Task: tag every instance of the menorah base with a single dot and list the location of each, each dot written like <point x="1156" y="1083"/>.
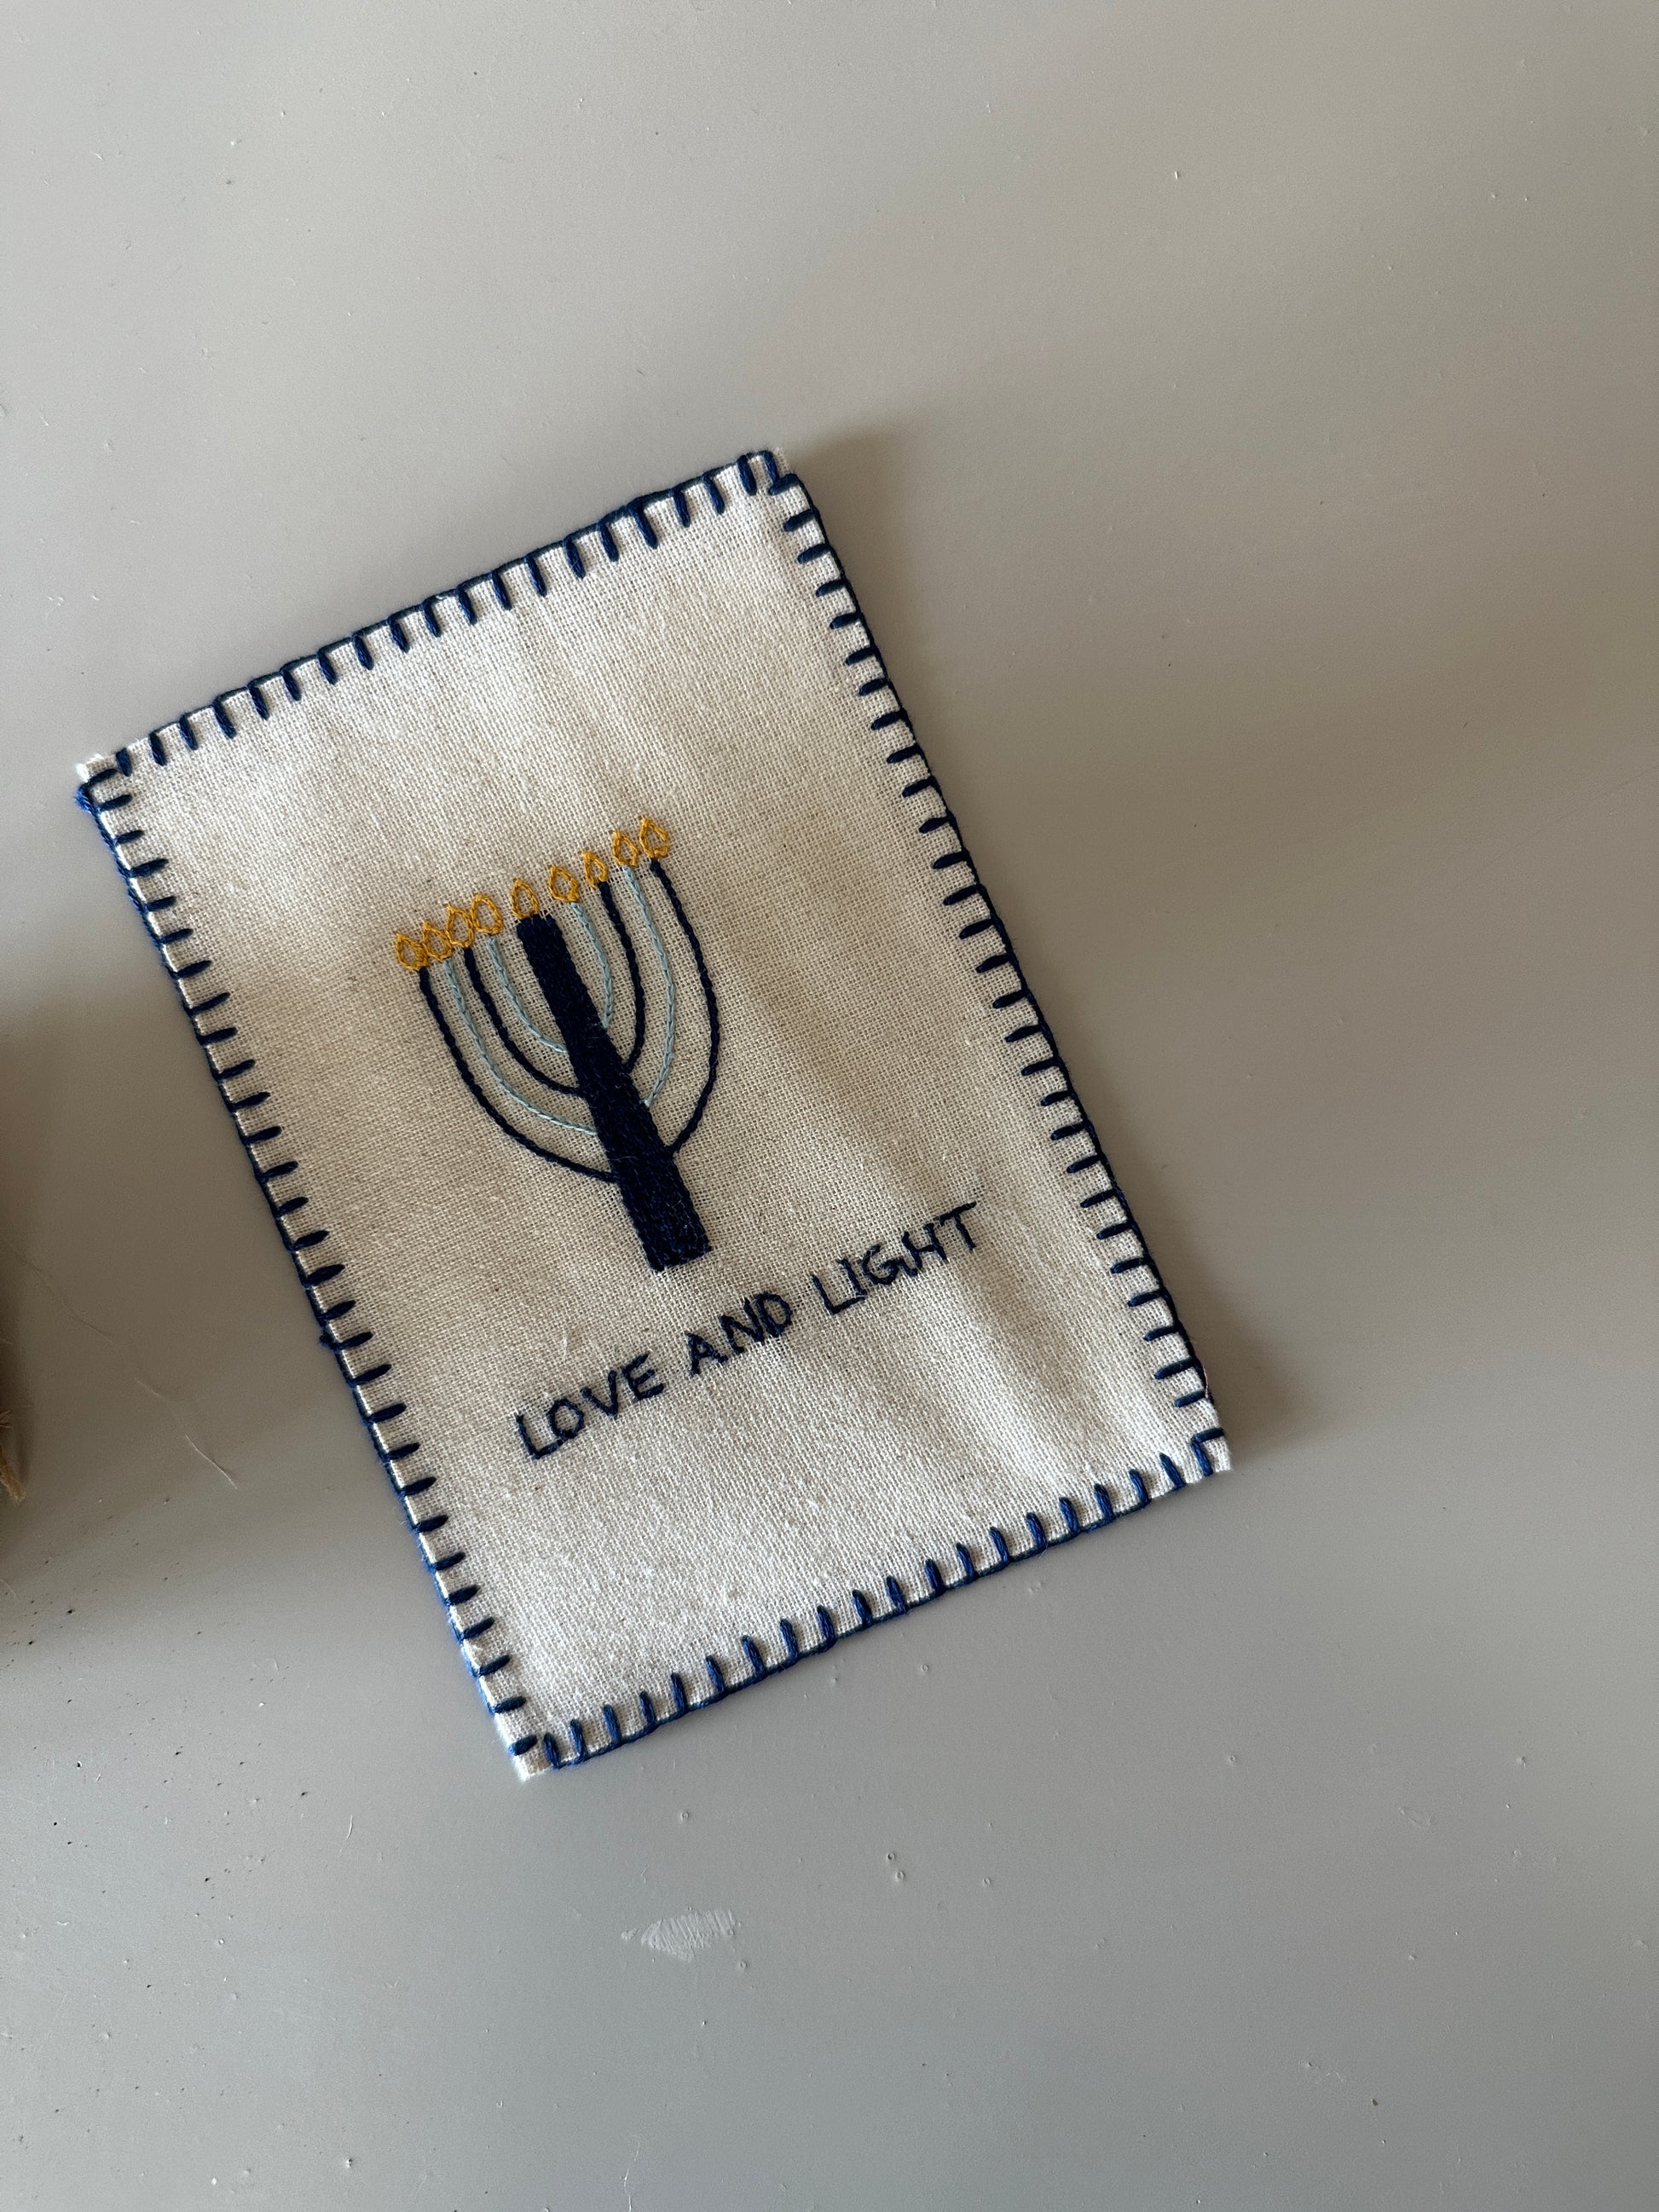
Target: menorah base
<point x="669" y="1228"/>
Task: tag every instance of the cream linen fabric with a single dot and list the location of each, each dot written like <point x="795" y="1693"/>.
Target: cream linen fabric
<point x="721" y="682"/>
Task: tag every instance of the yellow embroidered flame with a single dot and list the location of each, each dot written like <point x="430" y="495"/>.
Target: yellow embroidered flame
<point x="481" y="916"/>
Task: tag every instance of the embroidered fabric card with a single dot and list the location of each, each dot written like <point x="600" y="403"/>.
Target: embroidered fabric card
<point x="680" y="1170"/>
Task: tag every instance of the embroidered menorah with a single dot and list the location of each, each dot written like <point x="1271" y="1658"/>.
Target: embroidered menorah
<point x="587" y="1029"/>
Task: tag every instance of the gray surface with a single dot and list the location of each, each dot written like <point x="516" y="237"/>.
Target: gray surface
<point x="1234" y="418"/>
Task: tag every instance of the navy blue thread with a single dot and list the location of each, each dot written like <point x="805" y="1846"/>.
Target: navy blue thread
<point x="578" y="1167"/>
<point x="470" y="961"/>
<point x="390" y="1454"/>
<point x="644" y="1172"/>
<point x="399" y="625"/>
<point x="613" y="915"/>
<point x="1079" y="1125"/>
<point x="936" y="1584"/>
<point x="546" y="1152"/>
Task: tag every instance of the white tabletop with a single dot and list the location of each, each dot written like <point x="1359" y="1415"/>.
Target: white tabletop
<point x="1237" y="420"/>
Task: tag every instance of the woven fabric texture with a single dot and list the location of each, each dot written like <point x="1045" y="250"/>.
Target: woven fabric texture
<point x="693" y="1195"/>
